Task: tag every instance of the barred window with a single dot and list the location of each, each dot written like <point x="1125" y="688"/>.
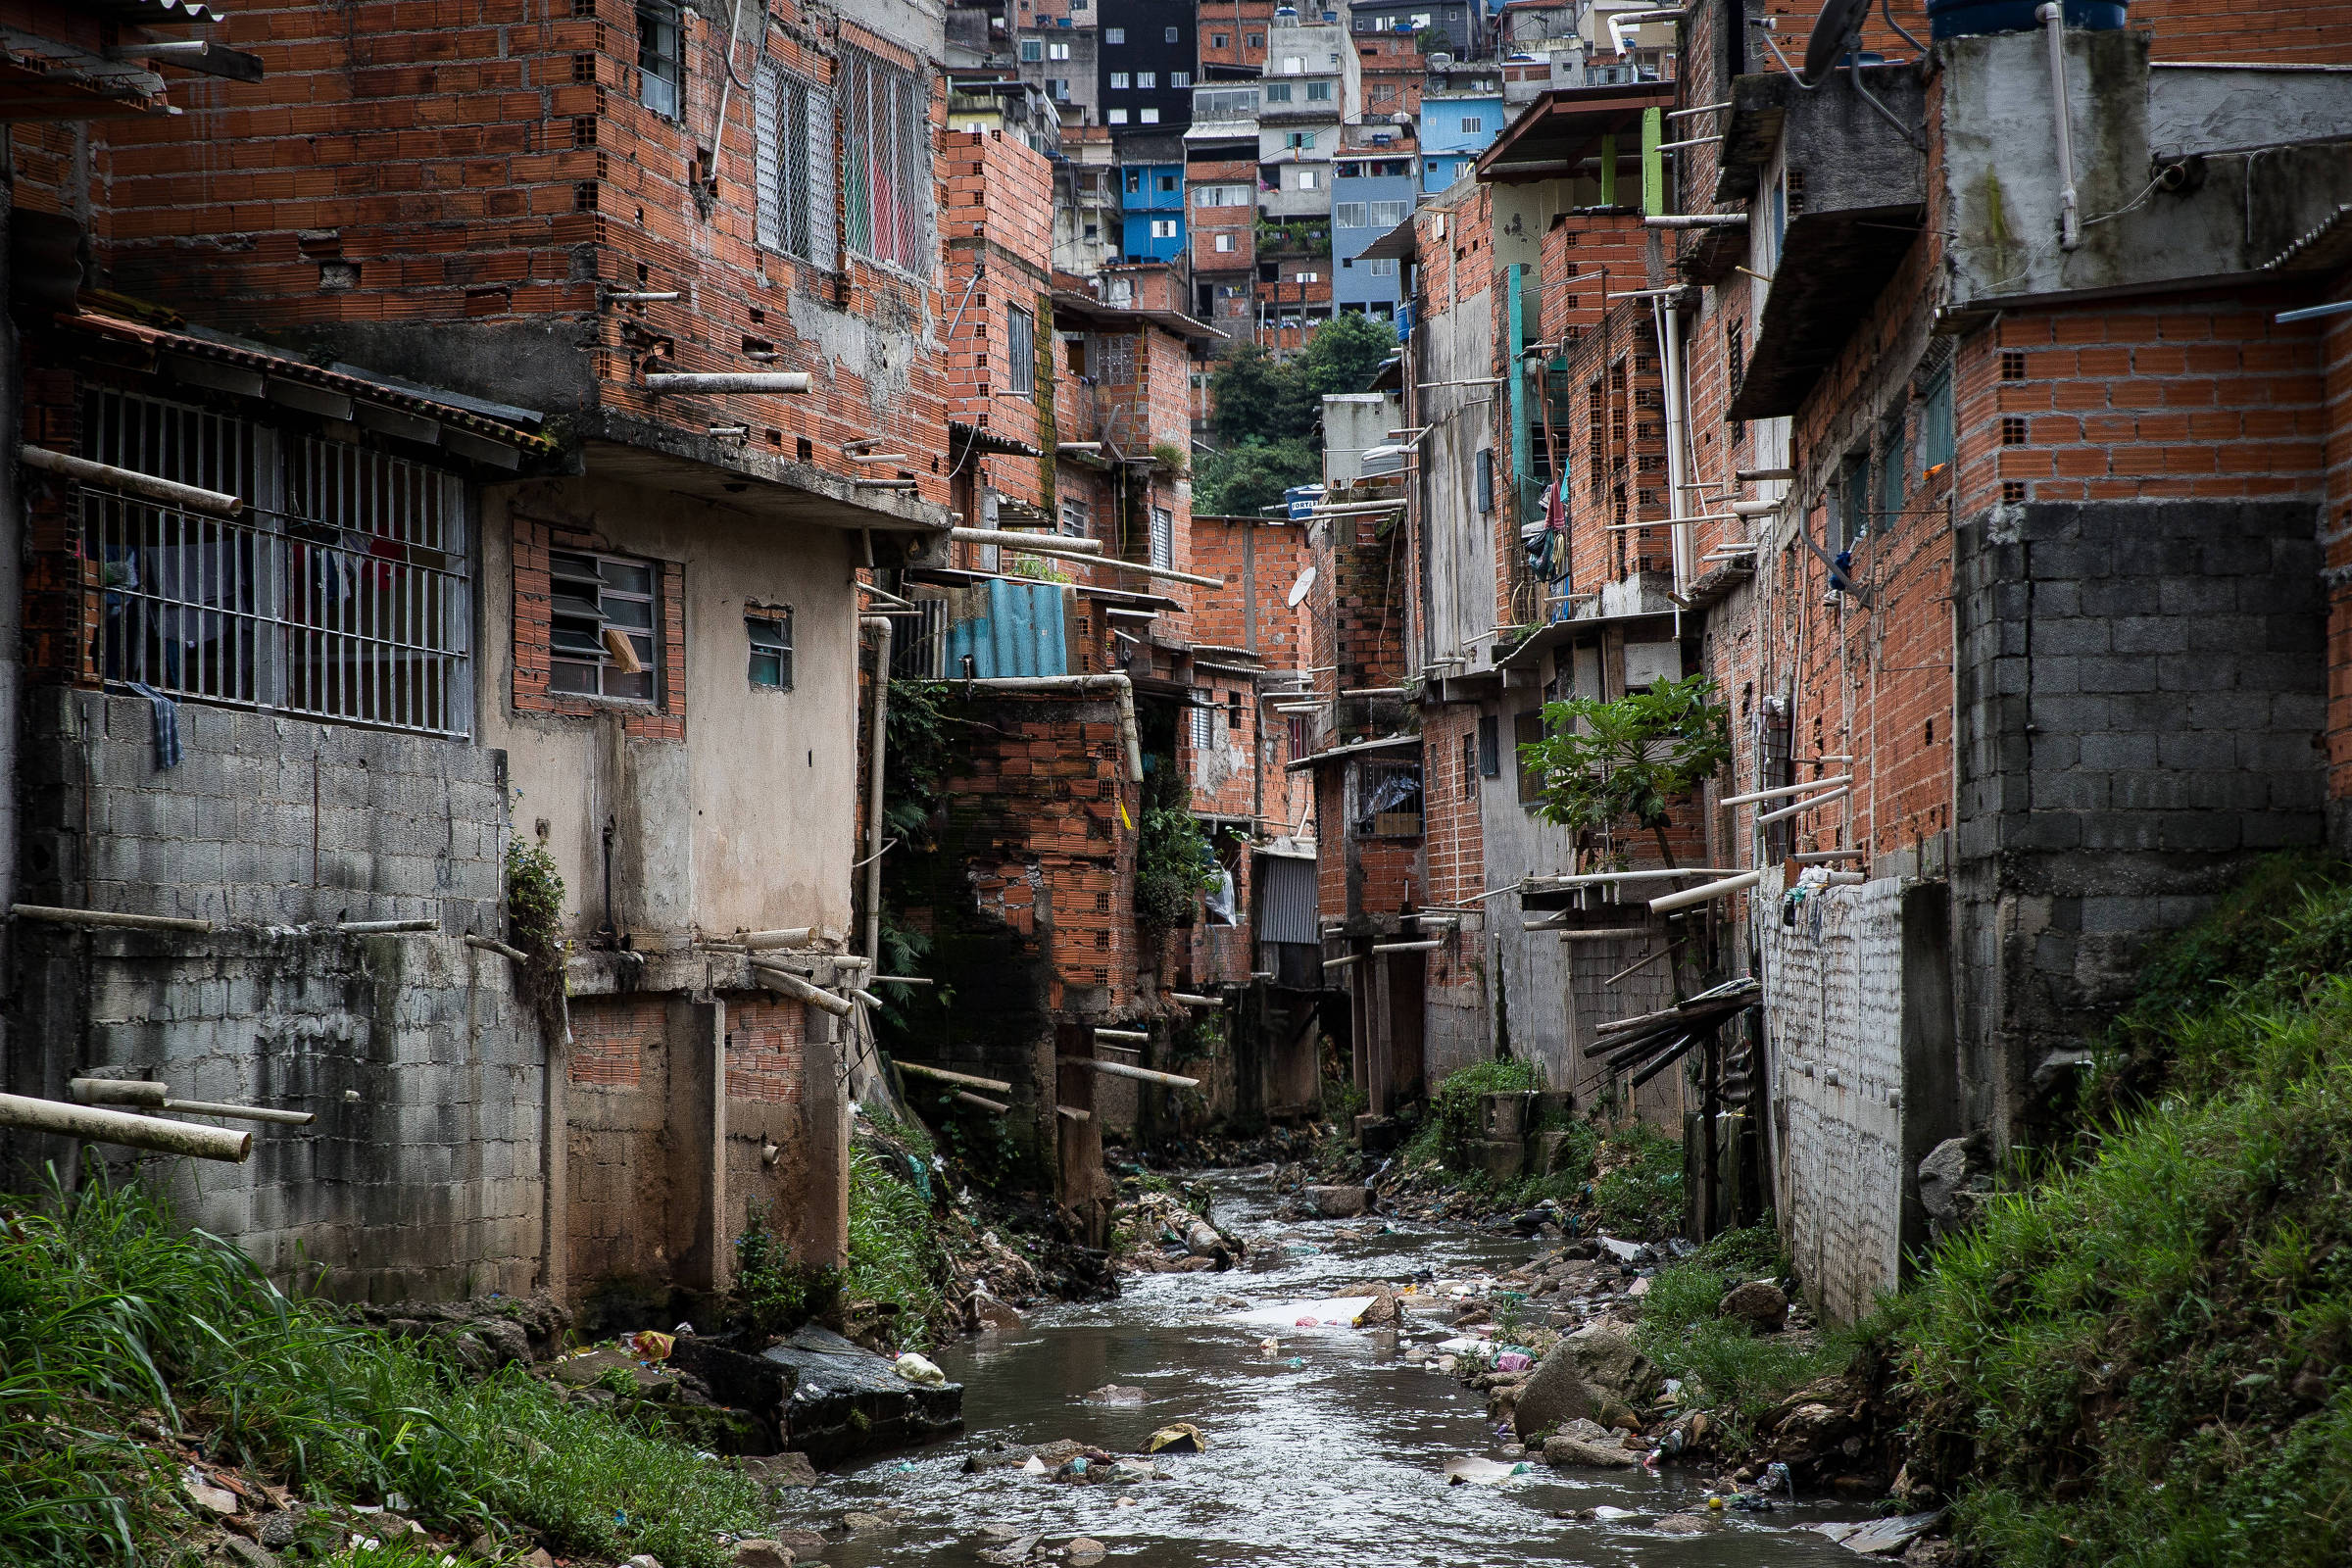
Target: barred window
<point x="341" y="593"/>
<point x="1020" y="351"/>
<point x="1163" y="538"/>
<point x="886" y="183"/>
<point x="602" y="629"/>
<point x="795" y="168"/>
<point x="661" y="59"/>
<point x="1204" y="719"/>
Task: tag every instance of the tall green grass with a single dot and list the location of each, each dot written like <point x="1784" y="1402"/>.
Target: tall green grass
<point x="2140" y="1354"/>
<point x="106" y="1309"/>
<point x="1738" y="1374"/>
<point x="895" y="1253"/>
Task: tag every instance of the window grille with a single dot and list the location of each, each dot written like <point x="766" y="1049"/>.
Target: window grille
<point x="1204" y="719"/>
<point x="1113" y="359"/>
<point x="343" y="592"/>
<point x="1163" y="538"/>
<point x="602" y="640"/>
<point x="770" y="635"/>
<point x="1935" y="420"/>
<point x="886" y="183"/>
<point x="1020" y="351"/>
<point x="794" y="160"/>
<point x="1387" y="801"/>
<point x="661" y="61"/>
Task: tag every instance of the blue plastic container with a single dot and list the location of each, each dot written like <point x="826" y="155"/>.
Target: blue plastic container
<point x="1960" y="19"/>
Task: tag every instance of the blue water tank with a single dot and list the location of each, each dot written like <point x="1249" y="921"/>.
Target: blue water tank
<point x="1959" y="19"/>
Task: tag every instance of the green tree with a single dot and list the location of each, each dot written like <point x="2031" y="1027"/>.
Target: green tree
<point x="1603" y="764"/>
<point x="1242" y="480"/>
<point x="1344" y="356"/>
<point x="1256" y="395"/>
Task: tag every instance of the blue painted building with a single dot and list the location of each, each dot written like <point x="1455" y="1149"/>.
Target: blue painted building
<point x="1455" y="127"/>
<point x="1373" y="189"/>
<point x="1151" y="212"/>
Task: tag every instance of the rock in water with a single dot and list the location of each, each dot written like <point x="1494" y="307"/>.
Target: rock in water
<point x="1760" y="1304"/>
<point x="1590" y="1371"/>
<point x="1112" y="1393"/>
<point x="1562" y="1452"/>
<point x="1339" y="1203"/>
<point x="759" y="1554"/>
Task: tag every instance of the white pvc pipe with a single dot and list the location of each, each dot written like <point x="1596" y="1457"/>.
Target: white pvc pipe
<point x="1019" y="540"/>
<point x="1786" y="790"/>
<point x="1142" y="1075"/>
<point x="792" y="985"/>
<point x="1767" y="818"/>
<point x="1705" y="893"/>
<point x="99" y="1126"/>
<point x="108" y="917"/>
<point x="2070" y="218"/>
<point x="146" y="486"/>
<point x="1591" y="878"/>
<point x="730" y="381"/>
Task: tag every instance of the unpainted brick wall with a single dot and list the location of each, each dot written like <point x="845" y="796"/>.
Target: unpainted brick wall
<point x="617" y="1133"/>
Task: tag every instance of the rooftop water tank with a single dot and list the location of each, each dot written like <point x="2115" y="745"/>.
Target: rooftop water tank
<point x="1960" y="19"/>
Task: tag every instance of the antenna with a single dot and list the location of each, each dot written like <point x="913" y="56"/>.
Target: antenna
<point x="1836" y="33"/>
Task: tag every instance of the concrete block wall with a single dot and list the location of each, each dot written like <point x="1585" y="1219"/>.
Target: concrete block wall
<point x="1833" y="1005"/>
<point x="2142" y="704"/>
<point x="422" y="1175"/>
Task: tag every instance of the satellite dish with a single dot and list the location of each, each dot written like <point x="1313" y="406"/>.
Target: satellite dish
<point x="1835" y="33"/>
<point x="1299" y="589"/>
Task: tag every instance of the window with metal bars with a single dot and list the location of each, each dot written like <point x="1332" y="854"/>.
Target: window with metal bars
<point x="343" y="592"/>
<point x="660" y="58"/>
<point x="1163" y="538"/>
<point x="604" y="627"/>
<point x="794" y="167"/>
<point x="1020" y="351"/>
<point x="886" y="175"/>
<point x="1204" y="719"/>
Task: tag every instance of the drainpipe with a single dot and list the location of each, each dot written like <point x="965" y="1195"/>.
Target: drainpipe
<point x="2070" y="223"/>
<point x="876" y="732"/>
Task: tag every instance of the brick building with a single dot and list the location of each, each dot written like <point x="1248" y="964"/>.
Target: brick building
<point x="1976" y="515"/>
<point x="495" y="578"/>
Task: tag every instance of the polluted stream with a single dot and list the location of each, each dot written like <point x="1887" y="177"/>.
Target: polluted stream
<point x="1328" y="1452"/>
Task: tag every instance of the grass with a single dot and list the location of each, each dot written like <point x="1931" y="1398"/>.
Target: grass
<point x="894" y="1254"/>
<point x="1639" y="1192"/>
<point x="2138" y="1355"/>
<point x="107" y="1311"/>
<point x="1740" y="1374"/>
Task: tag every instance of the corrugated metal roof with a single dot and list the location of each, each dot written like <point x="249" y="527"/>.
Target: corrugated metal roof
<point x="1008" y="628"/>
<point x="157" y="13"/>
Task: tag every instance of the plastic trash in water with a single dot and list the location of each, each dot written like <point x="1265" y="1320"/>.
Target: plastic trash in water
<point x="918" y="1369"/>
<point x="1298" y="1361"/>
<point x="1513" y="1361"/>
<point x="652" y="1347"/>
<point x="1033" y="1466"/>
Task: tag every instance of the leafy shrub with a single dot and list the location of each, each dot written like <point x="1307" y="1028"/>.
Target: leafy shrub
<point x="772" y="1294"/>
<point x="1452" y="1119"/>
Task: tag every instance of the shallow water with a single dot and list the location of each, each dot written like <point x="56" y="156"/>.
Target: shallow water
<point x="1337" y="1462"/>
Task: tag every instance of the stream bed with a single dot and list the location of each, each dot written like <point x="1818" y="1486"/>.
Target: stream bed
<point x="1328" y="1452"/>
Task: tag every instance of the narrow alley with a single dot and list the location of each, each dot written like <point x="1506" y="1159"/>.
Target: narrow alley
<point x="1206" y="782"/>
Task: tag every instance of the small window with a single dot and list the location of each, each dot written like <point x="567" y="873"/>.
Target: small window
<point x="1388" y="801"/>
<point x="1167" y="183"/>
<point x="1387" y="214"/>
<point x="1020" y="351"/>
<point x="1935" y="422"/>
<point x="1134" y="177"/>
<point x="1170" y="35"/>
<point x="1032" y="49"/>
<point x="1163" y="229"/>
<point x="1257" y="40"/>
<point x="1058" y="51"/>
<point x="1489" y="746"/>
<point x="660" y="62"/>
<point x="1163" y="538"/>
<point x="1527" y="729"/>
<point x="1114" y="35"/>
<point x="1146" y="117"/>
<point x="1225" y="243"/>
<point x="1472" y="125"/>
<point x="1114" y="117"/>
<point x="1384" y="267"/>
<point x="1349" y="215"/>
<point x="887" y="196"/>
<point x="1486" y="478"/>
<point x="1219" y="40"/>
<point x="1180" y="78"/>
<point x="1204" y="719"/>
<point x="1233" y="710"/>
<point x="795" y="168"/>
<point x="1146" y="80"/>
<point x="1279" y="93"/>
<point x="1318" y="92"/>
<point x="770" y="634"/>
<point x="1469" y="765"/>
<point x="1307" y="179"/>
<point x="1119" y="83"/>
<point x="602" y="627"/>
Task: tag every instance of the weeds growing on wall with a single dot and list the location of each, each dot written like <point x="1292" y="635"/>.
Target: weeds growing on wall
<point x="535" y="925"/>
<point x="1173" y="862"/>
<point x="107" y="1310"/>
<point x="1452" y="1119"/>
<point x="772" y="1292"/>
